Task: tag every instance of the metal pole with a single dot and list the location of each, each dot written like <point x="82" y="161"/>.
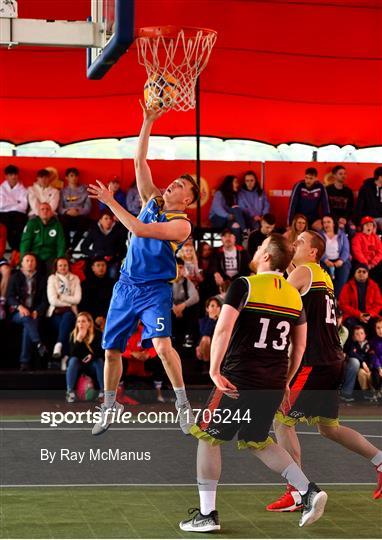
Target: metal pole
<point x="197" y="125"/>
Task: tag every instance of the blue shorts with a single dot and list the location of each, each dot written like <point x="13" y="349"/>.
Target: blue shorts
<point x="150" y="304"/>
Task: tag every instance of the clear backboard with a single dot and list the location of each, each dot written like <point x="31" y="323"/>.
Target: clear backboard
<point x="116" y="20"/>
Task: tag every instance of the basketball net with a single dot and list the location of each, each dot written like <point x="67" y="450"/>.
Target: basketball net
<point x="179" y="53"/>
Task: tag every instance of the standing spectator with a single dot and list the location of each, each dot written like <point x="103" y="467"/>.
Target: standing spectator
<point x="106" y="239"/>
<point x="41" y="192"/>
<point x="253" y="200"/>
<point x="309" y="197"/>
<point x="13" y="206"/>
<point x="360" y="299"/>
<point x="225" y="211"/>
<point x="299" y="225"/>
<point x="185" y="309"/>
<point x="75" y="207"/>
<point x="28" y="303"/>
<point x="207" y="328"/>
<point x="336" y="259"/>
<point x="64" y="295"/>
<point x="44" y="236"/>
<point x="85" y="355"/>
<point x="5" y="271"/>
<point x="97" y="304"/>
<point x="367" y="249"/>
<point x="133" y="200"/>
<point x="341" y="197"/>
<point x="369" y="202"/>
<point x="230" y="260"/>
<point x="256" y="238"/>
<point x="119" y="195"/>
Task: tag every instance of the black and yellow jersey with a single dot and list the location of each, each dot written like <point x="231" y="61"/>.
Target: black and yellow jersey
<point x="323" y="344"/>
<point x="257" y="355"/>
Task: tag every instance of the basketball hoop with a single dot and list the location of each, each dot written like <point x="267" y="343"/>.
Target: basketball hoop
<point x="170" y="52"/>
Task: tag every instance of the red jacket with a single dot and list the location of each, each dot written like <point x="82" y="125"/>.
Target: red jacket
<point x="367" y="248"/>
<point x="348" y="299"/>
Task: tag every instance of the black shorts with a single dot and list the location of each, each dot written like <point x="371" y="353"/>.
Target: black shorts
<point x="314" y="396"/>
<point x="250" y="417"/>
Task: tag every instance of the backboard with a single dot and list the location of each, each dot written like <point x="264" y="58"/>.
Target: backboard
<point x="116" y="20"/>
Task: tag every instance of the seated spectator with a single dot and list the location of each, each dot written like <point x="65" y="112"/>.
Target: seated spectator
<point x="360" y="299"/>
<point x="13" y="206"/>
<point x="376" y="357"/>
<point x="119" y="195"/>
<point x="64" y="295"/>
<point x="336" y="259"/>
<point x="299" y="225"/>
<point x="230" y="260"/>
<point x="253" y="200"/>
<point x="256" y="238"/>
<point x="85" y="355"/>
<point x="225" y="211"/>
<point x="135" y="353"/>
<point x="54" y="178"/>
<point x="106" y="239"/>
<point x="44" y="236"/>
<point x="185" y="309"/>
<point x="133" y="200"/>
<point x="74" y="208"/>
<point x="28" y="303"/>
<point x="309" y="198"/>
<point x="97" y="304"/>
<point x="207" y="287"/>
<point x="341" y="198"/>
<point x="5" y="271"/>
<point x="190" y="259"/>
<point x="369" y="202"/>
<point x="207" y="328"/>
<point x="367" y="249"/>
<point x="41" y="192"/>
<point x="358" y="353"/>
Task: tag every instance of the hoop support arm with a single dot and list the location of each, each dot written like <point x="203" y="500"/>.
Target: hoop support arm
<point x="50" y="33"/>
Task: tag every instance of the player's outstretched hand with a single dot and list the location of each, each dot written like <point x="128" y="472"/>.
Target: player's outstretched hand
<point x="225" y="386"/>
<point x="100" y="192"/>
<point x="151" y="114"/>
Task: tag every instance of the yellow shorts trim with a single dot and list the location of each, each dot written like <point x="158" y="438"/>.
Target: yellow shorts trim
<point x="200" y="434"/>
<point x="242" y="445"/>
<point x="310" y="420"/>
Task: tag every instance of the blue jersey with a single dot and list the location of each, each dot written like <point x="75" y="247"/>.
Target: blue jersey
<point x="150" y="260"/>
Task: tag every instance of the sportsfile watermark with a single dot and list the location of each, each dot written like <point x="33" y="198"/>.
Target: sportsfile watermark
<point x="224" y="416"/>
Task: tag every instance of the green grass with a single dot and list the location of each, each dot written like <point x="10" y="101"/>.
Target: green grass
<point x="155" y="512"/>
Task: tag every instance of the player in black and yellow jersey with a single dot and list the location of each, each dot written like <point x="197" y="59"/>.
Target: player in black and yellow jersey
<point x="313" y="394"/>
<point x="261" y="317"/>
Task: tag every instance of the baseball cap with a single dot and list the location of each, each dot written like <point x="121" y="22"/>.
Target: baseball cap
<point x="367" y="219"/>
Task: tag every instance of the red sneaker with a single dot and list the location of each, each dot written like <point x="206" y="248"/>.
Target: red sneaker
<point x="378" y="490"/>
<point x="289" y="502"/>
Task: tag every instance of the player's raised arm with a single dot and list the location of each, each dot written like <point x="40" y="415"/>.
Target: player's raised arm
<point x="145" y="183"/>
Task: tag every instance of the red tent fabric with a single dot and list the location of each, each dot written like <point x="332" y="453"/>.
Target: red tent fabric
<point x="281" y="71"/>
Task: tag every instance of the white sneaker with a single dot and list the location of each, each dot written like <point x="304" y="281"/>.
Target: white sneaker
<point x="314" y="502"/>
<point x="70" y="397"/>
<point x="108" y="416"/>
<point x="57" y="351"/>
<point x="64" y="360"/>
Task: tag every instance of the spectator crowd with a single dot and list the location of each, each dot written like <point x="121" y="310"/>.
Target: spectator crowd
<point x="58" y="266"/>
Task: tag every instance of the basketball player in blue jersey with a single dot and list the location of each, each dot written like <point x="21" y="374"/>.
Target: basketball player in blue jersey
<point x="143" y="291"/>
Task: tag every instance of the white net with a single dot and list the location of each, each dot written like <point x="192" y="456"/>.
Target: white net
<point x="173" y="58"/>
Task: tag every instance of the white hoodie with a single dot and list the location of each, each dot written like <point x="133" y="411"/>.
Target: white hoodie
<point x="13" y="199"/>
<point x="38" y="195"/>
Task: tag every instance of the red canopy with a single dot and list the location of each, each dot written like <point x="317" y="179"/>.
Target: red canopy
<point x="281" y="71"/>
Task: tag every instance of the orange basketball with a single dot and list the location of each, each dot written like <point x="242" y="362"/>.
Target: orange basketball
<point x="160" y="91"/>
